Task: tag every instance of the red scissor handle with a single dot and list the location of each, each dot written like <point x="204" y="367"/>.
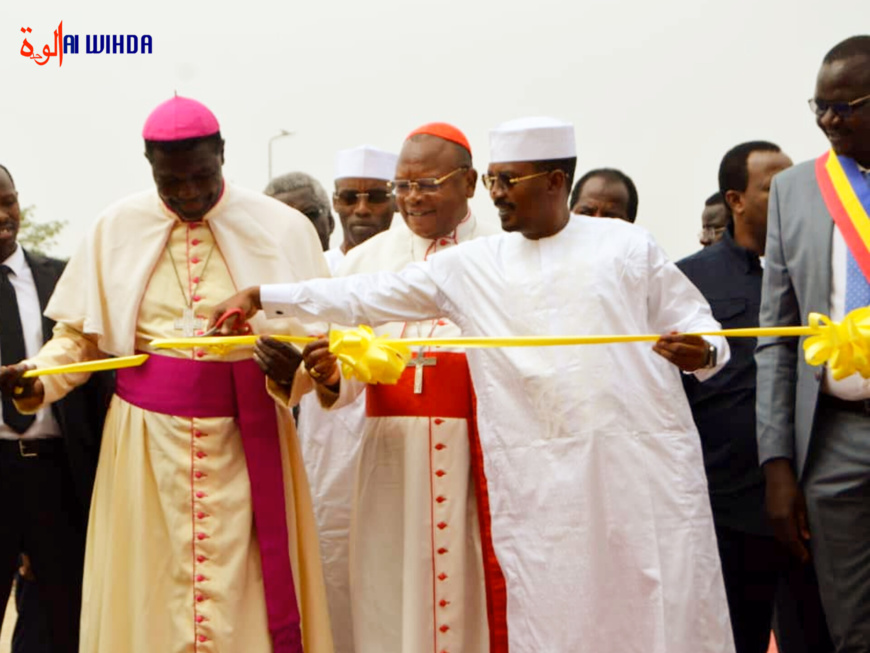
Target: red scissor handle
<point x="244" y="329"/>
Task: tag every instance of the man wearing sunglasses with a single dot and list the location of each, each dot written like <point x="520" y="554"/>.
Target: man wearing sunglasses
<point x="600" y="519"/>
<point x="813" y="428"/>
<point x="330" y="439"/>
<point x="365" y="204"/>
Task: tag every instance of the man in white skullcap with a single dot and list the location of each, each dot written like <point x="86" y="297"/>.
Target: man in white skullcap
<point x="362" y="198"/>
<point x="330" y="439"/>
<point x="600" y="517"/>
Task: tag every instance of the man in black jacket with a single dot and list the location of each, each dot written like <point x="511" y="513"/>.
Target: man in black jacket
<point x="47" y="460"/>
<point x="754" y="566"/>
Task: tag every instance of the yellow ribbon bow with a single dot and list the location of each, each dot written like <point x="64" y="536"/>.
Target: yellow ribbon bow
<point x="844" y="346"/>
<point x="367" y="357"/>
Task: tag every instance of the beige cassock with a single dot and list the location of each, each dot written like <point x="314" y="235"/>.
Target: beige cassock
<point x="413" y="474"/>
<point x="172" y="562"/>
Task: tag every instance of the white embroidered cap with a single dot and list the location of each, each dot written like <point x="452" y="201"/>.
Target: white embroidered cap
<point x="532" y="139"/>
<point x="366" y="162"/>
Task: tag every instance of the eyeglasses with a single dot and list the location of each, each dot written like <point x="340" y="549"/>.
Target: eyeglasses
<point x="351" y="197"/>
<point x="427" y="185"/>
<point x="490" y="181"/>
<point x="841" y="109"/>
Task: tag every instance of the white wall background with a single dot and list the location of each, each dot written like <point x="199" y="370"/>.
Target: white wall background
<point x="658" y="89"/>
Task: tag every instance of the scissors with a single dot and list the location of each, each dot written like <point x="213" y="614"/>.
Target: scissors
<point x="245" y="329"/>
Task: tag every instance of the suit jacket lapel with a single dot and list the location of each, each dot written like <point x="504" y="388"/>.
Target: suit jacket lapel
<point x="45" y="279"/>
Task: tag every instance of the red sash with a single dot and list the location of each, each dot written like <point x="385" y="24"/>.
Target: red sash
<point x="188" y="388"/>
<point x="448" y="393"/>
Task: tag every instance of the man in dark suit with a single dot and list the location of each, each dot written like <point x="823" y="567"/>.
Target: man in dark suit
<point x="754" y="564"/>
<point x="814" y="430"/>
<point x="47" y="460"/>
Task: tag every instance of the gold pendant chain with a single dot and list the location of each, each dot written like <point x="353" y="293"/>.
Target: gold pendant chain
<point x="189" y="300"/>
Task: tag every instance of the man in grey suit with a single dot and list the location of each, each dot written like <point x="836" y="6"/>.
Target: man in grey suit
<point x="813" y="431"/>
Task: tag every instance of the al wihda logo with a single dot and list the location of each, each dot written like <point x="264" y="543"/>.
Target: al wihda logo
<point x="94" y="44"/>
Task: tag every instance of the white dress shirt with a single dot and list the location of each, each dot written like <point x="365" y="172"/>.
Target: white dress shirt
<point x="21" y="278"/>
<point x="855" y="387"/>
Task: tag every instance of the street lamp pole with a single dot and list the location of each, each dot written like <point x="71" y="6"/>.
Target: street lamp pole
<point x="280" y="134"/>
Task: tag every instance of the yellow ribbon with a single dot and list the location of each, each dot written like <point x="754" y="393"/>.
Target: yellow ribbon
<point x="844" y="346"/>
<point x="90" y="366"/>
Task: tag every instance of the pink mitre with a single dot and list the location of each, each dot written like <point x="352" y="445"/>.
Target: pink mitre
<point x="178" y="119"/>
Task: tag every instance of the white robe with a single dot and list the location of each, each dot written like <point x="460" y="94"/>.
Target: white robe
<point x="333" y="257"/>
<point x="600" y="516"/>
<point x="385" y="472"/>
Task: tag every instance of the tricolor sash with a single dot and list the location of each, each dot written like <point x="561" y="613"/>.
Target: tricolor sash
<point x="847" y="196"/>
<point x="237" y="390"/>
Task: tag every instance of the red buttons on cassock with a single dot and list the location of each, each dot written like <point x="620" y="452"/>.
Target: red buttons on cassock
<point x="442" y="551"/>
<point x="200" y="598"/>
<point x="200" y="495"/>
<point x="200" y="353"/>
<point x="439" y="473"/>
<point x="201" y="536"/>
<point x="443" y="241"/>
<point x="201" y="454"/>
<point x="200" y="515"/>
<point x="195" y="241"/>
<point x="194" y="260"/>
<point x="442" y="576"/>
<point x="200" y="578"/>
<point x="440" y="499"/>
<point x="199" y="618"/>
<point x="438" y="421"/>
<point x="440" y="446"/>
<point x="442" y="525"/>
<point x="444" y="628"/>
<point x="443" y="603"/>
<point x="202" y="638"/>
<point x="201" y="558"/>
<point x="195" y="280"/>
<point x="198" y="474"/>
<point x="196" y="298"/>
<point x="442" y="322"/>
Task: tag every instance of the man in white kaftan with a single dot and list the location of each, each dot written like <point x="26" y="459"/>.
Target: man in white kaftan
<point x="600" y="516"/>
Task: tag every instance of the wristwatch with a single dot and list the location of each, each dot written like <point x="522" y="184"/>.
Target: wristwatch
<point x="712" y="356"/>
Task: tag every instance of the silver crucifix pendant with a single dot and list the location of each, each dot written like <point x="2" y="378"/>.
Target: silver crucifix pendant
<point x="188" y="323"/>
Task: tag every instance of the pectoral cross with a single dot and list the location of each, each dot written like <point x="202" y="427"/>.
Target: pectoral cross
<point x="188" y="323"/>
<point x="419" y="362"/>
